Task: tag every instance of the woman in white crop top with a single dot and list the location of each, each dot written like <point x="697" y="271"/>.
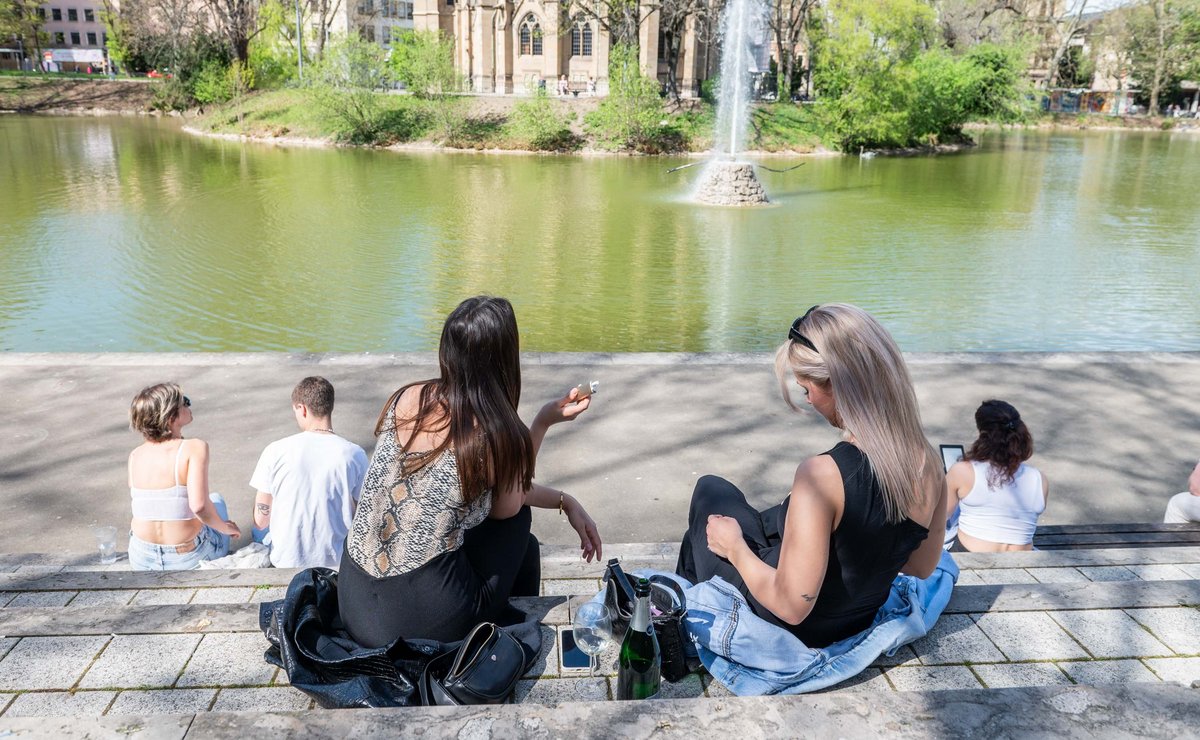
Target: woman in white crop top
<point x="999" y="497"/>
<point x="177" y="522"/>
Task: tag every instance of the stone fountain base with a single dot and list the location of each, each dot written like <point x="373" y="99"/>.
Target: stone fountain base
<point x="730" y="184"/>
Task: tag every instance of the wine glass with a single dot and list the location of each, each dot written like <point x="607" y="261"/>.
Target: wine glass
<point x="593" y="631"/>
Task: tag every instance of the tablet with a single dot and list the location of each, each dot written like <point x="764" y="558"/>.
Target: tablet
<point x="951" y="454"/>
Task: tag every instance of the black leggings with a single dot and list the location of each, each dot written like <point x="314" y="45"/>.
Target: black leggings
<point x="761" y="530"/>
<point x="446" y="597"/>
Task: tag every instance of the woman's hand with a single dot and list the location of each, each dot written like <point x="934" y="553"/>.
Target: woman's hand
<point x="724" y="536"/>
<point x="589" y="536"/>
<point x="563" y="409"/>
<point x="231" y="528"/>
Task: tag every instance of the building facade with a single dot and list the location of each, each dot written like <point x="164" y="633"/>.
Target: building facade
<point x="502" y="46"/>
<point x="377" y="21"/>
<point x="76" y="39"/>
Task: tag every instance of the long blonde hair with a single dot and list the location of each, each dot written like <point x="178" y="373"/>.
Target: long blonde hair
<point x="873" y="397"/>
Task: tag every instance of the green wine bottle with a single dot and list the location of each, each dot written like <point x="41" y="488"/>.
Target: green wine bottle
<point x="639" y="673"/>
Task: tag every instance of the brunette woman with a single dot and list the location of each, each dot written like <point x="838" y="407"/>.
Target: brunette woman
<point x="999" y="497"/>
<point x="176" y="521"/>
<point x="441" y="538"/>
<point x="822" y="563"/>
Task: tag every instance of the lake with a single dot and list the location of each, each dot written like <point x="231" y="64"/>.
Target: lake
<point x="125" y="234"/>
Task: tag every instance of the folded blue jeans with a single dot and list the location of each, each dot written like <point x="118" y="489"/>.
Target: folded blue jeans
<point x="209" y="544"/>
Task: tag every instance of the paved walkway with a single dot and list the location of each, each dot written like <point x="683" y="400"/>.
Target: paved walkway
<point x="87" y="640"/>
<point x="1116" y="433"/>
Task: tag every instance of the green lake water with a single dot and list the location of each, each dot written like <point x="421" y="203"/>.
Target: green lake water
<point x="129" y="235"/>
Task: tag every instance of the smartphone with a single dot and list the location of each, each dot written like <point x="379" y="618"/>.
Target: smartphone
<point x="587" y="389"/>
<point x="572" y="656"/>
<point x="951" y="454"/>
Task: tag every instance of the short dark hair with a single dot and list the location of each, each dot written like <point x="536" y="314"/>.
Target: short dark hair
<point x="316" y="393"/>
<point x="153" y="409"/>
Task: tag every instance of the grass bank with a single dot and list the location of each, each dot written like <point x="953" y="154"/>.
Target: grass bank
<point x="490" y="123"/>
<point x="73" y="94"/>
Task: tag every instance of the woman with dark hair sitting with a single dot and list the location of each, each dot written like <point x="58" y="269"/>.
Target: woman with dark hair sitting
<point x="441" y="537"/>
<point x="999" y="497"/>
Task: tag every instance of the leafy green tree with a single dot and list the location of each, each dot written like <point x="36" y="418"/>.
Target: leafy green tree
<point x="1162" y="41"/>
<point x="886" y="79"/>
<point x="863" y="68"/>
<point x="19" y="20"/>
<point x="424" y="62"/>
<point x="273" y="50"/>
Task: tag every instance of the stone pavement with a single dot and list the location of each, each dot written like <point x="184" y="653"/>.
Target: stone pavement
<point x="1116" y="433"/>
<point x="83" y="640"/>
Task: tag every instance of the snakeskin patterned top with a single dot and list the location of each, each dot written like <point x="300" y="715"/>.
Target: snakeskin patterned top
<point x="404" y="521"/>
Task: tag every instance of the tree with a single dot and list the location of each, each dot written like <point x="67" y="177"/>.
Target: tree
<point x="424" y="62"/>
<point x="967" y="23"/>
<point x="19" y="20"/>
<point x="620" y="18"/>
<point x="789" y="21"/>
<point x="1066" y="29"/>
<point x="238" y="23"/>
<point x="673" y="19"/>
<point x="1163" y="44"/>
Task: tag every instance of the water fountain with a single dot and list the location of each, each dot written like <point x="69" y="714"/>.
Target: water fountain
<point x="725" y="180"/>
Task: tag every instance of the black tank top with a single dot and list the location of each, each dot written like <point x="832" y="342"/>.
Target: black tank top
<point x="866" y="553"/>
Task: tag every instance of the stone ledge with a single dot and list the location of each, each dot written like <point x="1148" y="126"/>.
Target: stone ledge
<point x="1141" y="710"/>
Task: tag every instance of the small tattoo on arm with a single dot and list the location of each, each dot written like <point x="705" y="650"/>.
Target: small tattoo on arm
<point x="263" y="509"/>
<point x="809" y="599"/>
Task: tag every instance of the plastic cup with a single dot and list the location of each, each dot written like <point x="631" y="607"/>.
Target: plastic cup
<point x="106" y="539"/>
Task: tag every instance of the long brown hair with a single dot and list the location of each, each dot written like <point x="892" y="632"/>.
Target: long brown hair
<point x="1004" y="441"/>
<point x="476" y="396"/>
<point x="874" y="399"/>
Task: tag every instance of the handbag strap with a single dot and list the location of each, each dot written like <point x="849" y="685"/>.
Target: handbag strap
<point x="675" y="588"/>
<point x="472" y="647"/>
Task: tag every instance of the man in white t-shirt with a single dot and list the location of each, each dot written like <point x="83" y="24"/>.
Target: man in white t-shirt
<point x="308" y="484"/>
<point x="1184" y="508"/>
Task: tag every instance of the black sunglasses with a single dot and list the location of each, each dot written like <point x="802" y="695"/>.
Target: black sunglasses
<point x="795" y="335"/>
<point x="187" y="402"/>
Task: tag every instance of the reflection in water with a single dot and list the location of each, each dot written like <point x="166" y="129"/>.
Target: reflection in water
<point x="128" y="235"/>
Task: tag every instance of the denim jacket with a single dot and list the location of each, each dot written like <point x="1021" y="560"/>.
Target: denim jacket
<point x="751" y="656"/>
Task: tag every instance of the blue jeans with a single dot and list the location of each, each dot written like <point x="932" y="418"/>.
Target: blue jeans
<point x="208" y="545"/>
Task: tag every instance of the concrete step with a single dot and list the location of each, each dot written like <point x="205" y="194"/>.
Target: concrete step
<point x="88" y="642"/>
<point x="1127" y="710"/>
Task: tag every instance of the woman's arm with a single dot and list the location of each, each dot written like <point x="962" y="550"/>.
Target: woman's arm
<point x="544" y="497"/>
<point x="960" y="479"/>
<point x="791" y="590"/>
<point x="555" y="412"/>
<point x="197" y="485"/>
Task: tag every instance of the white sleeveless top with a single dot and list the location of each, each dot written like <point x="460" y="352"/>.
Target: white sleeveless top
<point x="163" y="504"/>
<point x="1007" y="514"/>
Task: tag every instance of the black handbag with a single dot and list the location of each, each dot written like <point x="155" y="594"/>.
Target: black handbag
<point x="483" y="670"/>
<point x="667" y="598"/>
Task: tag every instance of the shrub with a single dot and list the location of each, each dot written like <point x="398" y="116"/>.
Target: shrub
<point x="212" y="84"/>
<point x="632" y="116"/>
<point x="171" y="95"/>
<point x="536" y="124"/>
<point x="344" y="89"/>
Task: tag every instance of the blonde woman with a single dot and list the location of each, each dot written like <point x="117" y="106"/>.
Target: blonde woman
<point x="176" y="521"/>
<point x="822" y="563"/>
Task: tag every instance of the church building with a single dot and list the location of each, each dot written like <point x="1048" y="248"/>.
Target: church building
<point x="503" y="46"/>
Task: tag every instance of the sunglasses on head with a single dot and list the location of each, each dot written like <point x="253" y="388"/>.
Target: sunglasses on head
<point x="795" y="335"/>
